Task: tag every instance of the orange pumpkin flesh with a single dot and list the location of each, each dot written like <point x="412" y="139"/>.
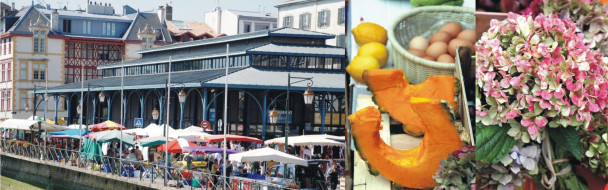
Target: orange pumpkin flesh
<point x="392" y="93"/>
<point x="409" y="168"/>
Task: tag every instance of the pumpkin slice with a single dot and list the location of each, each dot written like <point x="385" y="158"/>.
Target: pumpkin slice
<point x="392" y="93"/>
<point x="412" y="168"/>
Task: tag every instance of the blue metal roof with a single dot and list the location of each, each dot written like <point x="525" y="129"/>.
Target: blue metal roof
<point x="291" y="50"/>
<point x="289" y="32"/>
<point x="240" y="77"/>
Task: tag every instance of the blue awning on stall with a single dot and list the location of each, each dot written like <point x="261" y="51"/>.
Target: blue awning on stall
<point x="69" y="132"/>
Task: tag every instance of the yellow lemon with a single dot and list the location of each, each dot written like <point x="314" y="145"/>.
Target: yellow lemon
<point x="359" y="64"/>
<point x="376" y="50"/>
<point x="369" y="32"/>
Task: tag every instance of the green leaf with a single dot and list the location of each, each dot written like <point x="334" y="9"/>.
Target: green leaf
<point x="567" y="138"/>
<point x="493" y="143"/>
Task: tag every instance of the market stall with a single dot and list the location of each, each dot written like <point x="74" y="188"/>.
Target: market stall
<point x="219" y="138"/>
<point x="267" y="154"/>
<point x="107" y="125"/>
<point x="208" y="149"/>
<point x="176" y="146"/>
<point x="305" y="140"/>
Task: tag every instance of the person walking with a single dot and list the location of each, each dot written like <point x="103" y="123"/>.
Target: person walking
<point x="334" y="176"/>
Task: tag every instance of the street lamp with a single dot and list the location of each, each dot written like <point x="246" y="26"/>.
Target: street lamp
<point x="155" y="114"/>
<point x="182" y="99"/>
<point x="102" y="97"/>
<point x="274" y="116"/>
<point x="79" y="109"/>
<point x="308" y="97"/>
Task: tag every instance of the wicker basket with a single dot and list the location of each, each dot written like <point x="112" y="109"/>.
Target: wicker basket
<point x="424" y="21"/>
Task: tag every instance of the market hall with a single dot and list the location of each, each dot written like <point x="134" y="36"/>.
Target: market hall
<point x="260" y="65"/>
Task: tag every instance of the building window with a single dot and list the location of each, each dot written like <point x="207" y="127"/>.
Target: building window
<point x="22" y="99"/>
<point x="86" y="27"/>
<point x="67" y="26"/>
<point x="305" y="21"/>
<point x="323" y="18"/>
<point x="39" y="41"/>
<point x="247" y="28"/>
<point x="288" y="21"/>
<point x="39" y="71"/>
<point x="108" y="29"/>
<point x="261" y="26"/>
<point x="23" y="71"/>
<point x="341" y="40"/>
<point x="341" y="16"/>
<point x="8" y="71"/>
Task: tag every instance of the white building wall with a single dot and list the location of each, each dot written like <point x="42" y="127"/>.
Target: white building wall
<point x="314" y="7"/>
<point x="54" y="58"/>
<point x="229" y="23"/>
<point x="131" y="51"/>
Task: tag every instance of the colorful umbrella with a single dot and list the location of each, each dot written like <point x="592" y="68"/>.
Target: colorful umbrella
<point x="151" y="141"/>
<point x="107" y="125"/>
<point x="111" y="136"/>
<point x="176" y="146"/>
<point x="219" y="138"/>
<point x="209" y="149"/>
<point x="68" y="132"/>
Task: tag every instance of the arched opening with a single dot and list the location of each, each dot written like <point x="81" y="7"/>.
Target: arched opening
<point x="133" y="109"/>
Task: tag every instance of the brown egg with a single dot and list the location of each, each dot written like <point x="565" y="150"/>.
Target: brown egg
<point x="440" y="37"/>
<point x="436" y="49"/>
<point x="445" y="58"/>
<point x="416" y="52"/>
<point x="428" y="58"/>
<point x="452" y="28"/>
<point x="457" y="43"/>
<point x="467" y="35"/>
<point x="419" y="43"/>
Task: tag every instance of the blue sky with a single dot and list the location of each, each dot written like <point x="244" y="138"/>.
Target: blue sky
<point x="187" y="10"/>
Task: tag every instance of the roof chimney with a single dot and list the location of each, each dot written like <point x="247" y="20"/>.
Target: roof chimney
<point x="169" y="12"/>
<point x="55" y="21"/>
<point x="162" y="14"/>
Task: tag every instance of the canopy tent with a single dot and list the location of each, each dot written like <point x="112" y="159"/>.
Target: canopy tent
<point x="107" y="125"/>
<point x="219" y="138"/>
<point x="135" y="131"/>
<point x="49" y="127"/>
<point x="267" y="154"/>
<point x="151" y="141"/>
<point x="176" y="146"/>
<point x="19" y="124"/>
<point x="68" y="132"/>
<point x="187" y="133"/>
<point x="154" y="130"/>
<point x="112" y="136"/>
<point x="91" y="149"/>
<point x="305" y="140"/>
<point x="209" y="149"/>
<point x="75" y="137"/>
<point x="194" y="128"/>
<point x="193" y="138"/>
<point x="77" y="126"/>
<point x="331" y="137"/>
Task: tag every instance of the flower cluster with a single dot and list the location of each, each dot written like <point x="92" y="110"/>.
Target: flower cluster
<point x="537" y="72"/>
<point x="595" y="144"/>
<point x="458" y="171"/>
<point x="508" y="173"/>
<point x="590" y="17"/>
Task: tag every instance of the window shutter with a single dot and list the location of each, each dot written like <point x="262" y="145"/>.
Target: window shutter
<point x="341" y="16"/>
<point x="302" y="21"/>
<point x="320" y="19"/>
<point x="327" y="18"/>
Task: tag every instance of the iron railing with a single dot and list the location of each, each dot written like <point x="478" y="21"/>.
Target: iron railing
<point x="143" y="171"/>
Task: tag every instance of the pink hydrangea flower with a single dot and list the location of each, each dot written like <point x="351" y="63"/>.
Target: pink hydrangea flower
<point x="544" y="69"/>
